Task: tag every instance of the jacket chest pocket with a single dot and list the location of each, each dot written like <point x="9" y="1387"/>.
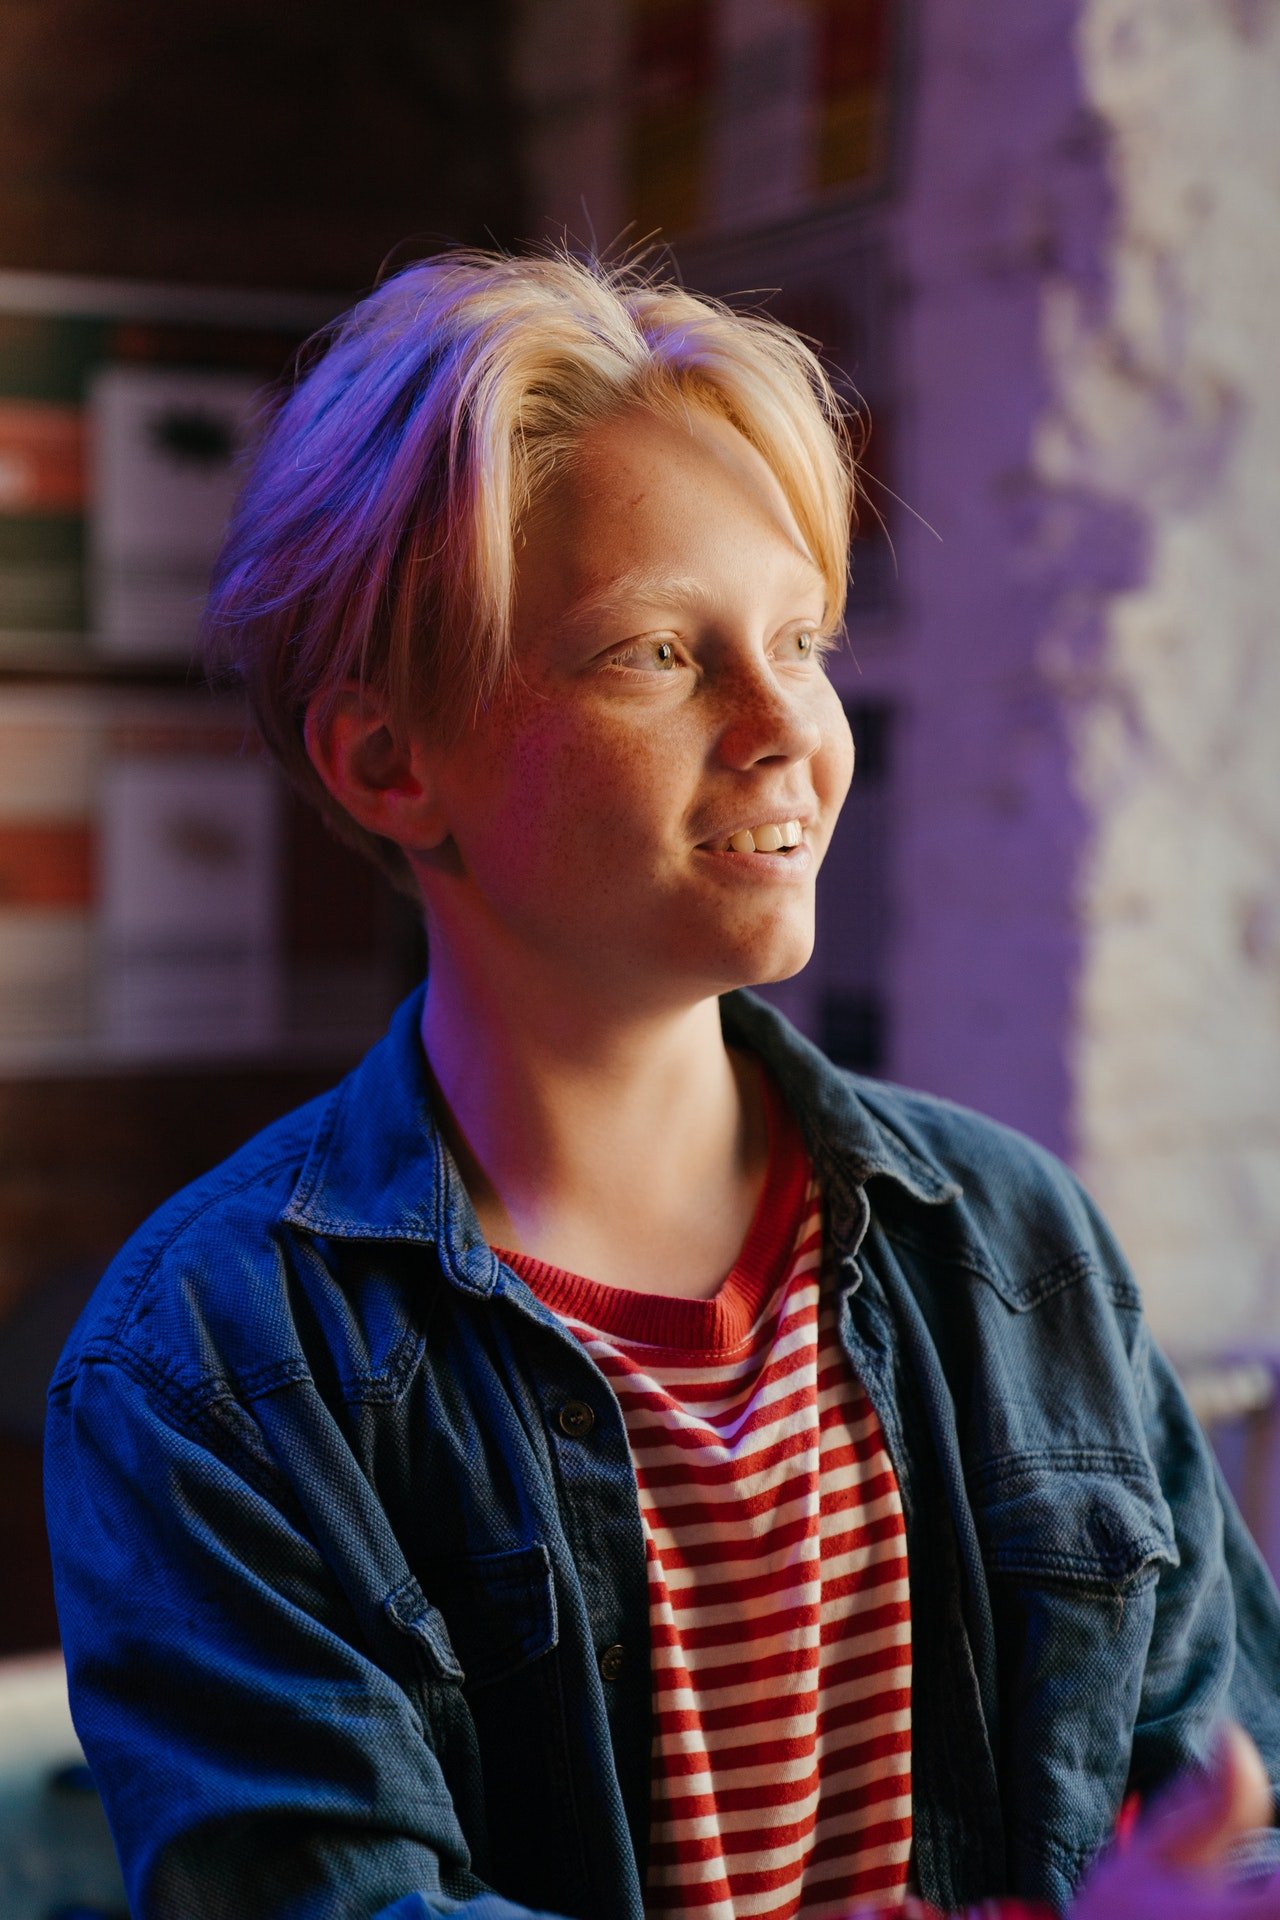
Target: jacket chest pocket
<point x="1109" y="1532"/>
<point x="1073" y="1558"/>
<point x="491" y="1615"/>
<point x="489" y="1640"/>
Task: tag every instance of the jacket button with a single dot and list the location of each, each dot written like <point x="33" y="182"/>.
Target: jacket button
<point x="576" y="1419"/>
<point x="612" y="1661"/>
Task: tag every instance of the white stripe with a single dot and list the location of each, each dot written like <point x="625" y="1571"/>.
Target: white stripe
<point x="713" y="1910"/>
<point x="718" y="1449"/>
<point x="737" y="1534"/>
<point x="805" y="1491"/>
<point x="748" y="1484"/>
<point x="707" y="1671"/>
<point x="897" y="1808"/>
<point x="799" y="1767"/>
<point x="763" y="1820"/>
<point x="805" y="1557"/>
<point x="879" y="1717"/>
<point x="705" y="1827"/>
<point x="696" y="1742"/>
<point x="722" y="1435"/>
<point x="714" y="1688"/>
<point x="892" y="1720"/>
<point x="748" y="1905"/>
<point x="690" y="1872"/>
<point x="837" y="1607"/>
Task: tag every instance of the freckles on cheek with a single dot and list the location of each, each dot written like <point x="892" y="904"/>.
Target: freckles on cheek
<point x="560" y="788"/>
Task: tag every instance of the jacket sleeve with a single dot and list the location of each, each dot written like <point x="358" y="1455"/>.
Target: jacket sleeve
<point x="255" y="1760"/>
<point x="1215" y="1649"/>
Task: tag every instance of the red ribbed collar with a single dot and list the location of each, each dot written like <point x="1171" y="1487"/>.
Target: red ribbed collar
<point x="723" y="1322"/>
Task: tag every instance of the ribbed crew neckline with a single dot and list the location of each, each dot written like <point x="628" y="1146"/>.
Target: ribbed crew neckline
<point x="725" y="1320"/>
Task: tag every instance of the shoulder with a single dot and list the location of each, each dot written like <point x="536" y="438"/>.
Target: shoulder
<point x="198" y="1295"/>
<point x="1020" y="1219"/>
<point x="986" y="1159"/>
<point x="299" y="1257"/>
<point x="969" y="1192"/>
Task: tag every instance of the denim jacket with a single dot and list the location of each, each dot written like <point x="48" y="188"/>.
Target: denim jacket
<point x="348" y="1548"/>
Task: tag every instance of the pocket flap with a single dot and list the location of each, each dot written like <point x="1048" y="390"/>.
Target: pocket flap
<point x="1094" y="1528"/>
<point x="409" y="1609"/>
<point x="501" y="1609"/>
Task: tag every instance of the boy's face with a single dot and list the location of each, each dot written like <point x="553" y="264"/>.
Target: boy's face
<point x="669" y="696"/>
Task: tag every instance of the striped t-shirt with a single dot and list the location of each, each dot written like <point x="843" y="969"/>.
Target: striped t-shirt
<point x="778" y="1598"/>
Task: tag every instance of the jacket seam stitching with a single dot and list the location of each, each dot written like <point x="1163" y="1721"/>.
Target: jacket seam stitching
<point x="309" y="1174"/>
<point x="1131" y="1469"/>
<point x="1038" y="1286"/>
<point x="189" y="1220"/>
<point x="197" y="1414"/>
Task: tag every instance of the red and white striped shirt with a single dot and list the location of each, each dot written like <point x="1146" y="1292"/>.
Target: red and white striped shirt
<point x="778" y="1597"/>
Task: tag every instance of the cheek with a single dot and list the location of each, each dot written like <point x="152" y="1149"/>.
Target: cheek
<point x="583" y="789"/>
<point x="596" y="775"/>
<point x="836" y="754"/>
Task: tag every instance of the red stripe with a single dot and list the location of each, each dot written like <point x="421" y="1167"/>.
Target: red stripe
<point x="764" y="1742"/>
<point x="868" y="1879"/>
<point x="656" y="1474"/>
<point x="883" y="1833"/>
<point x="694" y="1806"/>
<point x="739" y="1546"/>
<point x="653" y="1438"/>
<point x="716" y="1593"/>
<point x="759" y="1750"/>
<point x="736" y="1683"/>
<point x="845" y="1586"/>
<point x="698" y="1478"/>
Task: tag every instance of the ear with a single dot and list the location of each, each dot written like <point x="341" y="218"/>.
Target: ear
<point x="376" y="771"/>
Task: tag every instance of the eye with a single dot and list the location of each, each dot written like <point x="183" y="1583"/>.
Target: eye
<point x="648" y="656"/>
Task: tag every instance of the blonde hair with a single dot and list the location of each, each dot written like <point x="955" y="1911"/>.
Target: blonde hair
<point x="374" y="538"/>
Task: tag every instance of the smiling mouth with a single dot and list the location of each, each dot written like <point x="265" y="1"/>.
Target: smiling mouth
<point x="773" y="837"/>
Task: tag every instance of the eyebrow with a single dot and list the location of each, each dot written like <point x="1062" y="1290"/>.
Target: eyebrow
<point x="684" y="592"/>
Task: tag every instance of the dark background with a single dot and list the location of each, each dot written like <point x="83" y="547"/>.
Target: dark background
<point x="288" y="146"/>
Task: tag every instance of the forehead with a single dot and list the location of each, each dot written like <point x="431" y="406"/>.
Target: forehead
<point x="650" y="505"/>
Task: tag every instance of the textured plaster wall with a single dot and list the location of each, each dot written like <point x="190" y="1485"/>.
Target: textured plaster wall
<point x="1005" y="191"/>
<point x="1090" y="925"/>
<point x="1166" y="411"/>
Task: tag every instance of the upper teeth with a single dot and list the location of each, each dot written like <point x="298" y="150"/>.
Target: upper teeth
<point x="766" y="839"/>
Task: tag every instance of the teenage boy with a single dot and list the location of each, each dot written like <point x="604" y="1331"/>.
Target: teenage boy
<point x="602" y="1458"/>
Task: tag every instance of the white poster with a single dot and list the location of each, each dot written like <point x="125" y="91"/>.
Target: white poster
<point x="189" y="948"/>
<point x="165" y="447"/>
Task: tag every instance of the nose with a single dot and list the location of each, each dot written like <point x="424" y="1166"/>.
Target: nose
<point x="764" y="719"/>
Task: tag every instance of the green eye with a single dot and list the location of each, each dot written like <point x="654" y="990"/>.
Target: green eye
<point x="804" y="644"/>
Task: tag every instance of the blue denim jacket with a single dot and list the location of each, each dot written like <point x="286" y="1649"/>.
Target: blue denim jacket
<point x="343" y="1521"/>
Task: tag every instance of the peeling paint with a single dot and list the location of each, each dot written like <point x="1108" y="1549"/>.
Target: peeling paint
<point x="1168" y="404"/>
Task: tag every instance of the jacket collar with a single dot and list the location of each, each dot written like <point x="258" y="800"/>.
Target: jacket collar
<point x="378" y="1167"/>
<point x="847" y="1140"/>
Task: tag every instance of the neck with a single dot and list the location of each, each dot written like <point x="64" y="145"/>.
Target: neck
<point x="577" y="1130"/>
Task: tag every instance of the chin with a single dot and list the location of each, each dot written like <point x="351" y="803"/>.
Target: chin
<point x="786" y="958"/>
